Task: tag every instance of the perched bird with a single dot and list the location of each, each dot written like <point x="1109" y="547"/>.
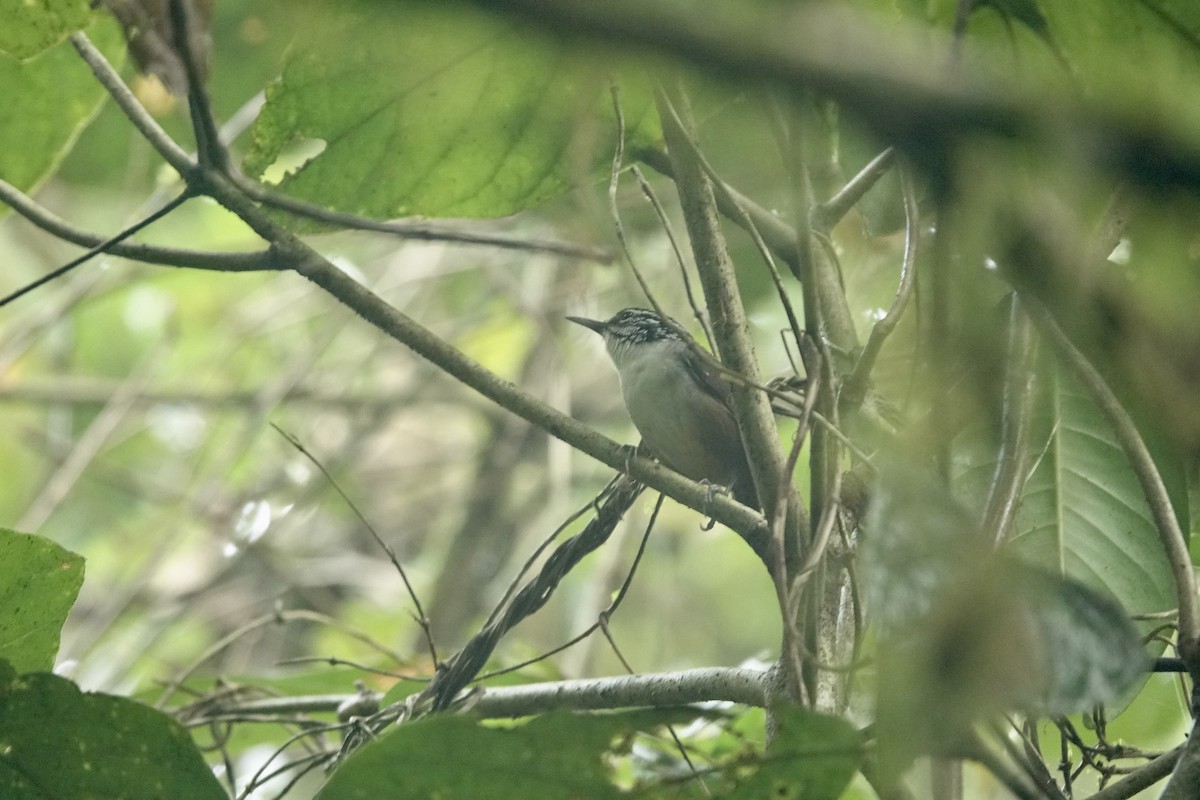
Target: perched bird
<point x="679" y="404"/>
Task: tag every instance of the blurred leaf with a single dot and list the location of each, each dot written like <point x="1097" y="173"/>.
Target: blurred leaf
<point x="62" y="743"/>
<point x="31" y="26"/>
<point x="812" y="756"/>
<point x="437" y="111"/>
<point x="1092" y="652"/>
<point x="39" y="582"/>
<point x="1101" y="39"/>
<point x="557" y="755"/>
<point x="47" y="102"/>
<point x="971" y="632"/>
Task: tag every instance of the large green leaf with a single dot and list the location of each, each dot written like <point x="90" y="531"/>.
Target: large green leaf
<point x="558" y="755"/>
<point x="39" y="582"/>
<point x="47" y="102"/>
<point x="1140" y="55"/>
<point x="439" y="111"/>
<point x="812" y="756"/>
<point x="31" y="26"/>
<point x="971" y="631"/>
<point x="1082" y="510"/>
<point x="59" y="742"/>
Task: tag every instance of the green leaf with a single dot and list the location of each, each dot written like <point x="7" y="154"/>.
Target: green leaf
<point x="1100" y="39"/>
<point x="424" y="109"/>
<point x="1092" y="653"/>
<point x="1082" y="510"/>
<point x="39" y="582"/>
<point x="59" y="742"/>
<point x="973" y="632"/>
<point x="558" y="755"/>
<point x="812" y="756"/>
<point x="47" y="102"/>
<point x="31" y="26"/>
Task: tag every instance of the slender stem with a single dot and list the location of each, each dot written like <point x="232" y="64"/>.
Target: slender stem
<point x="826" y="215"/>
<point x="102" y="247"/>
<point x="419" y="231"/>
<point x="1009" y="476"/>
<point x="171" y="152"/>
<point x="855" y="388"/>
<point x="165" y="256"/>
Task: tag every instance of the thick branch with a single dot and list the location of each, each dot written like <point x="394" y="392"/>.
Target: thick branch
<point x="705" y="685"/>
<point x="730" y="327"/>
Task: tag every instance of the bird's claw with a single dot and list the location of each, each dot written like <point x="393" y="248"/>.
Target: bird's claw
<point x="710" y="490"/>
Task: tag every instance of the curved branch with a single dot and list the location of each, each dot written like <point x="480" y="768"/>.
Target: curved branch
<point x="167" y="256"/>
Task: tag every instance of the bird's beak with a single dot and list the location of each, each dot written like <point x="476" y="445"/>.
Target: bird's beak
<point x="594" y="324"/>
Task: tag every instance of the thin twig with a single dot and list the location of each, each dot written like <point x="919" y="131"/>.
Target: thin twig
<point x="153" y="133"/>
<point x="418" y="231"/>
<point x="421" y="619"/>
<point x="669" y="229"/>
<point x="827" y="214"/>
<point x="854" y="391"/>
<point x="99" y="248"/>
<point x="165" y="256"/>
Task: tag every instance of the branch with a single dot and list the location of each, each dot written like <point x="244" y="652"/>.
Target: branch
<point x="730" y="327"/>
<point x="709" y="684"/>
<point x="826" y="215"/>
<point x="1141" y="778"/>
<point x="167" y="256"/>
<point x="418" y="231"/>
<point x="288" y="251"/>
<point x="685" y="687"/>
<point x="171" y="152"/>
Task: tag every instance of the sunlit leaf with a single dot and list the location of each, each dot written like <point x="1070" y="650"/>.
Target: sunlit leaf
<point x="47" y="102"/>
<point x="39" y="582"/>
<point x="437" y="111"/>
<point x="31" y="26"/>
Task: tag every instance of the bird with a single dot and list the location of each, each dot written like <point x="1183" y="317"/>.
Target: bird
<point x="678" y="402"/>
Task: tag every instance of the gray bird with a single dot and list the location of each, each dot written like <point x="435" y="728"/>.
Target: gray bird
<point x="678" y="403"/>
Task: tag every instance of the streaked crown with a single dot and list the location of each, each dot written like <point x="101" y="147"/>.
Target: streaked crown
<point x="633" y="326"/>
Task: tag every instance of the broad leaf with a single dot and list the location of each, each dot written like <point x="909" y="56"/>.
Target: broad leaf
<point x="460" y="114"/>
<point x="62" y="743"/>
<point x="1082" y="510"/>
<point x="47" y="102"/>
<point x="558" y="755"/>
<point x="972" y="632"/>
<point x="39" y="582"/>
<point x="812" y="756"/>
<point x="31" y="26"/>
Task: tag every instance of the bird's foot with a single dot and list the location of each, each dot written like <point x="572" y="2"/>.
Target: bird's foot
<point x="710" y="490"/>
